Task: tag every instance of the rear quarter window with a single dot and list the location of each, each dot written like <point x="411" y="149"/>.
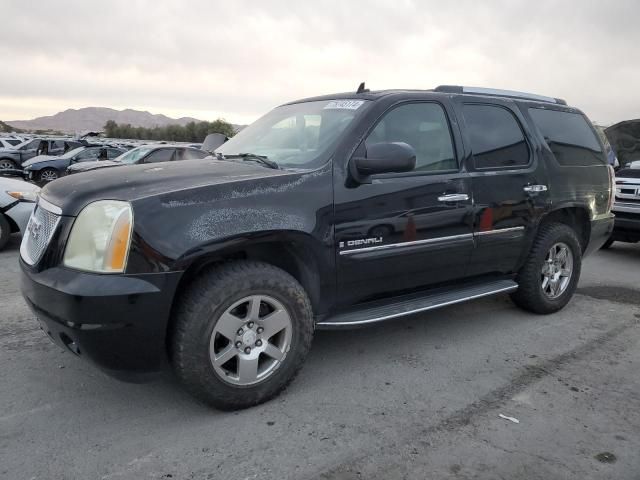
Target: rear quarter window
<point x="496" y="138"/>
<point x="569" y="136"/>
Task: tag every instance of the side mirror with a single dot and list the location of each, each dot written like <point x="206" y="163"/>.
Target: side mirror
<point x="388" y="157"/>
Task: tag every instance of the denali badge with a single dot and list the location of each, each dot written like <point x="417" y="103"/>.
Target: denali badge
<point x="362" y="241"/>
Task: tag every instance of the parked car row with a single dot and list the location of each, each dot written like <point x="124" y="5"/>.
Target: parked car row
<point x="144" y="154"/>
<point x="45" y="168"/>
<point x="15" y="157"/>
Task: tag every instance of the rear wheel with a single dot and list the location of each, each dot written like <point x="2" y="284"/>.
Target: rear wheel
<point x="550" y="275"/>
<point x="5" y="231"/>
<point x="6" y="164"/>
<point x="241" y="333"/>
<point x="47" y="175"/>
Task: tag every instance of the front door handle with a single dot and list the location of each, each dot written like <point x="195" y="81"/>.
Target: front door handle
<point x="535" y="188"/>
<point x="453" y="197"/>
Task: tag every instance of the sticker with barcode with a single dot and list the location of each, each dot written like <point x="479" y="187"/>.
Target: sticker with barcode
<point x="343" y="104"/>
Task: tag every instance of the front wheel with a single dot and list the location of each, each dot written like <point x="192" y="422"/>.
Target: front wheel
<point x="550" y="275"/>
<point x="240" y="334"/>
<point x="6" y="164"/>
<point x="48" y="175"/>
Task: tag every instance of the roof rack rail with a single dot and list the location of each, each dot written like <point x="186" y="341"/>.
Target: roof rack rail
<point x="498" y="93"/>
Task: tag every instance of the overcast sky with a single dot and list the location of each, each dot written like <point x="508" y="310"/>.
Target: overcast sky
<point x="237" y="59"/>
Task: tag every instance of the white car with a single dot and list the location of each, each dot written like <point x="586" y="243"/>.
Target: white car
<point x="9" y="142"/>
<point x="17" y="200"/>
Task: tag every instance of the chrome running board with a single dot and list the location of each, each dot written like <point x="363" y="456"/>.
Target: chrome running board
<point x="378" y="311"/>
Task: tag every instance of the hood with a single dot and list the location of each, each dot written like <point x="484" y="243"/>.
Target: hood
<point x="38" y="159"/>
<point x="624" y="137"/>
<point x="9" y="151"/>
<point x="130" y="183"/>
<point x="11" y="184"/>
<point x="86" y="166"/>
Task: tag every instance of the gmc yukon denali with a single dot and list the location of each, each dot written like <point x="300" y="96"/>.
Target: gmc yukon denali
<point x="330" y="212"/>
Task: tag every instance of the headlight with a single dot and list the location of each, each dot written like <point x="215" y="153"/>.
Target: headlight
<point x="100" y="238"/>
<point x="25" y="196"/>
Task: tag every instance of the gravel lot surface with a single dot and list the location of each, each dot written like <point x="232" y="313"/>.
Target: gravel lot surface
<point x="415" y="398"/>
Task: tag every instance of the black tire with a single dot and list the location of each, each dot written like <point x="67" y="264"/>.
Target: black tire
<point x="200" y="308"/>
<point x="530" y="295"/>
<point x="607" y="244"/>
<point x="5" y="231"/>
<point x="45" y="171"/>
<point x="7" y="164"/>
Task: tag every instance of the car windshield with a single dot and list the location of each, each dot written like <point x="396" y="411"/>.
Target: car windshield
<point x="132" y="156"/>
<point x="297" y="135"/>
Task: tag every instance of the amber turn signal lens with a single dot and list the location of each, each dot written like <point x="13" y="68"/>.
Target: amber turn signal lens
<point x="116" y="257"/>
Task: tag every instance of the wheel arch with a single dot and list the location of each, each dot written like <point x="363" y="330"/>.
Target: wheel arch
<point x="15" y="161"/>
<point x="297" y="253"/>
<point x="575" y="216"/>
<point x="12" y="224"/>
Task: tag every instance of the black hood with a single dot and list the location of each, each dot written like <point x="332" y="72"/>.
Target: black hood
<point x="624" y="137"/>
<point x="129" y="183"/>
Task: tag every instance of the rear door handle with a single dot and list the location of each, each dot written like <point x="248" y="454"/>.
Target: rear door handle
<point x="535" y="188"/>
<point x="453" y="197"/>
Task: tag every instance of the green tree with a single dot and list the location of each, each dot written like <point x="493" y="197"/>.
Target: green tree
<point x="191" y="132"/>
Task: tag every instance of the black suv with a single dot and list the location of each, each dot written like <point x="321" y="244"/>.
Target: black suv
<point x="335" y="211"/>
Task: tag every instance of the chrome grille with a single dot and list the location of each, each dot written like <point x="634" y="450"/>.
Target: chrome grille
<point x="41" y="227"/>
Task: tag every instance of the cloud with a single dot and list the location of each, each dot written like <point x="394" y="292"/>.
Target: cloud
<point x="238" y="59"/>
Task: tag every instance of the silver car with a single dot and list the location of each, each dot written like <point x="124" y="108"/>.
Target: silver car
<point x="17" y="199"/>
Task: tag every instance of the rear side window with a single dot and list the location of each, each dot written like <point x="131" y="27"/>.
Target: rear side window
<point x="188" y="154"/>
<point x="569" y="137"/>
<point x="496" y="138"/>
<point x="13" y="142"/>
<point x="113" y="153"/>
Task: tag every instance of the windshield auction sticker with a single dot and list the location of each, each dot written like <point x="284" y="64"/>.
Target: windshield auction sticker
<point x="343" y="105"/>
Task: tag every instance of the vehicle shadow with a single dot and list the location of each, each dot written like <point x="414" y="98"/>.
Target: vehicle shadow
<point x="411" y="340"/>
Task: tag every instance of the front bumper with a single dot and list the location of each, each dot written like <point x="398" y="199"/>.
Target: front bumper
<point x="118" y="322"/>
<point x="627" y="226"/>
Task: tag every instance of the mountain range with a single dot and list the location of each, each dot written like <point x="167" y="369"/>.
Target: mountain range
<point x="93" y="118"/>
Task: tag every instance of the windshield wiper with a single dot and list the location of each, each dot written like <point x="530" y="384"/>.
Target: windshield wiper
<point x="252" y="157"/>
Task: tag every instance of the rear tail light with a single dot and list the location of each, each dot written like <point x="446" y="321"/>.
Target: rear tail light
<point x="612" y="187"/>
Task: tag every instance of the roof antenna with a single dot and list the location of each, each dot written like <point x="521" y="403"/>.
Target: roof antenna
<point x="361" y="89"/>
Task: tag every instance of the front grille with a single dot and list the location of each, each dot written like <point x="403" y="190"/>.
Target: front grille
<point x="41" y="227"/>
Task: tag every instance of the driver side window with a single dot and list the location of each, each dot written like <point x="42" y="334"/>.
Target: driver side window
<point x="424" y="126"/>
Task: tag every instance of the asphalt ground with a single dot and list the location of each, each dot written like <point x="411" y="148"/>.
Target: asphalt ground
<point x="417" y="398"/>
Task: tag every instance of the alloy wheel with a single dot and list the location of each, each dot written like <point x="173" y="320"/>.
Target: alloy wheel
<point x="48" y="176"/>
<point x="250" y="340"/>
<point x="557" y="270"/>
